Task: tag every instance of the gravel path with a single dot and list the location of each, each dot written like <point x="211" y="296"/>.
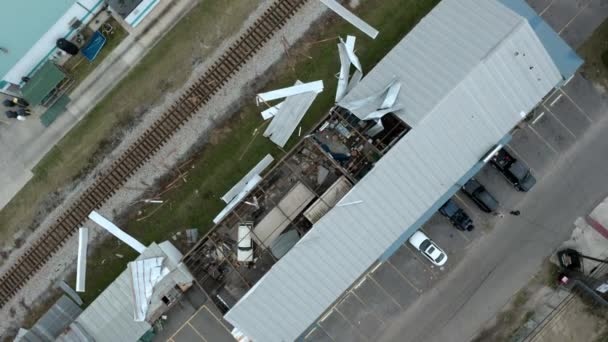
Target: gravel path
<point x="195" y="131"/>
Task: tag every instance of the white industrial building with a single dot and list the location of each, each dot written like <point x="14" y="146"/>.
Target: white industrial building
<point x="469" y="72"/>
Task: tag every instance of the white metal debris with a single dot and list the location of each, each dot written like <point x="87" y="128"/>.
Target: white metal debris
<point x="145" y="274"/>
<point x="347" y="55"/>
<point x="81" y="262"/>
<point x="288" y="117"/>
<point x="316" y="87"/>
<point x="271" y="112"/>
<point x="257" y="169"/>
<point x="351" y="18"/>
<point x="114" y="230"/>
<point x="238" y="198"/>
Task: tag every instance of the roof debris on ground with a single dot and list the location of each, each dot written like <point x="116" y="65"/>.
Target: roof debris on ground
<point x="351" y="18"/>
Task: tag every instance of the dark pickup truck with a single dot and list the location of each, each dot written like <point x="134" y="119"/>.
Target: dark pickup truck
<point x="515" y="171"/>
<point x="478" y="193"/>
<point x="457" y="216"/>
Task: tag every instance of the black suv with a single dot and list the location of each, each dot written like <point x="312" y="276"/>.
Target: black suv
<point x="515" y="171"/>
<point x="480" y="196"/>
<point x="457" y="216"/>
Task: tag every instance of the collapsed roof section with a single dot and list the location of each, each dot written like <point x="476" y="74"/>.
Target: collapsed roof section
<point x="465" y="80"/>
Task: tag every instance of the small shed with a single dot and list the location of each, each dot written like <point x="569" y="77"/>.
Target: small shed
<point x="45" y="85"/>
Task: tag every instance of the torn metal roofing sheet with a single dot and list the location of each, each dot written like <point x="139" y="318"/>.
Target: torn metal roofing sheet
<point x="351" y="18"/>
<point x="438" y="53"/>
<point x="288" y="117"/>
<point x="271" y="112"/>
<point x="453" y="127"/>
<point x="256" y="170"/>
<point x="238" y="198"/>
<point x="117" y="232"/>
<point x="346" y="51"/>
<point x="145" y="273"/>
<point x="81" y="261"/>
<point x="110" y="317"/>
<point x="298" y="88"/>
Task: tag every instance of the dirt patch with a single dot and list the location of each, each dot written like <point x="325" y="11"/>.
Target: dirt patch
<point x="521" y="307"/>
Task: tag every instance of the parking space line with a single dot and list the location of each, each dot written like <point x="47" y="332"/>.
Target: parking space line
<point x="371" y="278"/>
<point x="538" y="118"/>
<point x="546" y="8"/>
<point x="464" y="236"/>
<point x="217" y="319"/>
<point x="464" y="203"/>
<point x="196" y="332"/>
<point x="568" y="80"/>
<point x="404" y="277"/>
<point x="544" y="140"/>
<point x="577" y="106"/>
<point x="520" y="157"/>
<point x="366" y="306"/>
<point x="575" y="16"/>
<point x="351" y="323"/>
<point x="321" y="328"/>
<point x="186" y="322"/>
<point x="560" y="122"/>
<point x="555" y="100"/>
<point x="416" y="254"/>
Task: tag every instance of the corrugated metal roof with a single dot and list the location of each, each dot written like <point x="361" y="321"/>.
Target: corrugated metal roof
<point x="437" y="54"/>
<point x="468" y="70"/>
<point x="43" y="81"/>
<point x="54" y="321"/>
<point x="110" y="316"/>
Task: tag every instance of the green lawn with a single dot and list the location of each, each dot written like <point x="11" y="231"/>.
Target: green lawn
<point x="595" y="53"/>
<point x="219" y="164"/>
<point x="78" y="67"/>
<point x="165" y="68"/>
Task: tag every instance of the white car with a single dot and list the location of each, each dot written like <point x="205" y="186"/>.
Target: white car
<point x="244" y="251"/>
<point x="428" y="248"/>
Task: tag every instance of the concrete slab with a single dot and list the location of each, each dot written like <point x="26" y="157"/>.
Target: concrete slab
<point x="360" y="316"/>
<point x="568" y="113"/>
<point x="210" y="327"/>
<point x="377" y="300"/>
<point x="590" y="98"/>
<point x="317" y="335"/>
<point x="340" y="330"/>
<point x="187" y="334"/>
<point x="412" y="268"/>
<point x="395" y="285"/>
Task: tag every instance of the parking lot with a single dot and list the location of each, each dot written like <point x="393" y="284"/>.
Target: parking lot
<point x="392" y="286"/>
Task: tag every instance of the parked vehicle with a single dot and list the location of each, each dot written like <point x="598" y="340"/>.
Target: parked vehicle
<point x="456" y="215"/>
<point x="428" y="248"/>
<point x="515" y="171"/>
<point x="478" y="193"/>
<point x="244" y="251"/>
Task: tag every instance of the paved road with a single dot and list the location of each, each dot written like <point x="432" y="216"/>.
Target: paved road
<point x="406" y="299"/>
<point x="504" y="260"/>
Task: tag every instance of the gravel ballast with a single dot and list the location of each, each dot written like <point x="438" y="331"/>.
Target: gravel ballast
<point x="197" y="129"/>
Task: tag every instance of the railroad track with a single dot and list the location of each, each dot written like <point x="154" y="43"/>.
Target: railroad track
<point x="147" y="145"/>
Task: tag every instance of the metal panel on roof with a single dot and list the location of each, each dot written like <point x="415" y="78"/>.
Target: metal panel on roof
<point x="436" y="55"/>
<point x="463" y="93"/>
